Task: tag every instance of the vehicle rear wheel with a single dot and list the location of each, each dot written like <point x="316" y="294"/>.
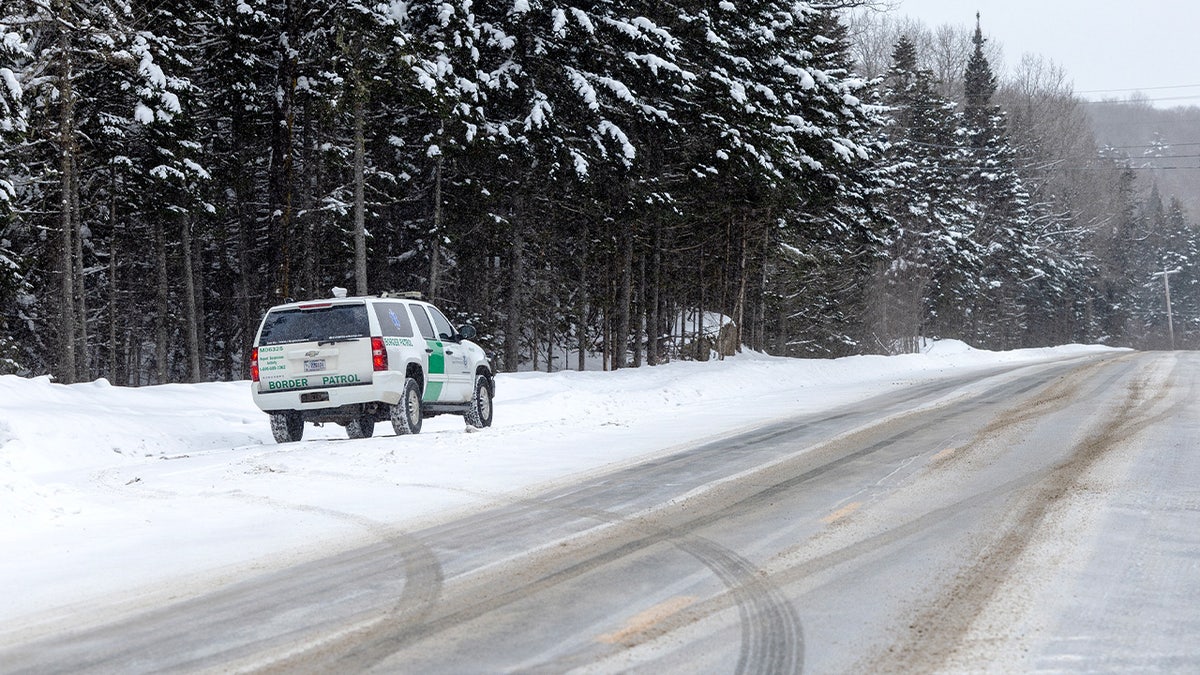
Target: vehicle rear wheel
<point x="287" y="427"/>
<point x="406" y="414"/>
<point x="362" y="427"/>
<point x="480" y="413"/>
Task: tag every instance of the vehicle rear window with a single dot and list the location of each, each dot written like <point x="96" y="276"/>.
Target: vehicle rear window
<point x="336" y="322"/>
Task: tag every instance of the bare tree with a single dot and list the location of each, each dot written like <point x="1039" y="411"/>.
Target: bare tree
<point x="944" y="49"/>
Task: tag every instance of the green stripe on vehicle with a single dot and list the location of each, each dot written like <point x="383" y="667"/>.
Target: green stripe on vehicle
<point x="432" y="391"/>
<point x="437" y="360"/>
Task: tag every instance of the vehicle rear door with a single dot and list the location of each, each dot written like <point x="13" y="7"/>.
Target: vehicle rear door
<point x="315" y="345"/>
<point x="399" y="336"/>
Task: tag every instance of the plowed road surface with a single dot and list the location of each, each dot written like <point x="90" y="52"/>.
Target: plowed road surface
<point x="1038" y="518"/>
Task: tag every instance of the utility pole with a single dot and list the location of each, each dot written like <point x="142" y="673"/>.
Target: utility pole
<point x="1166" y="275"/>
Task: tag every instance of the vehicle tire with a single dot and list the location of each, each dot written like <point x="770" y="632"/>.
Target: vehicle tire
<point x="406" y="414"/>
<point x="480" y="413"/>
<point x="362" y="427"/>
<point x="287" y="427"/>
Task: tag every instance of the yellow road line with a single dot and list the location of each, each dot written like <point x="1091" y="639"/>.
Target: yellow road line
<point x="841" y="513"/>
<point x="944" y="454"/>
<point x="647" y="619"/>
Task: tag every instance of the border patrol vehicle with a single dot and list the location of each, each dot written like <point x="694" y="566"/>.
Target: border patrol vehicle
<point x="356" y="361"/>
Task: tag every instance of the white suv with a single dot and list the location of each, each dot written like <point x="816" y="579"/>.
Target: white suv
<point x="361" y="360"/>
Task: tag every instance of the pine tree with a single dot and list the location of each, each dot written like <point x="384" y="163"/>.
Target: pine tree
<point x="562" y="100"/>
<point x="997" y="315"/>
<point x="12" y="131"/>
<point x="1181" y="251"/>
<point x="773" y="135"/>
<point x="87" y="78"/>
<point x="928" y="252"/>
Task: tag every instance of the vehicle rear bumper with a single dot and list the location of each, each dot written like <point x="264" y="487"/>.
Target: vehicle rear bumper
<point x="385" y="387"/>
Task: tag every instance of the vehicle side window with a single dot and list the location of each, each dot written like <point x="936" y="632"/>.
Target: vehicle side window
<point x="422" y="320"/>
<point x="441" y="324"/>
<point x="393" y="319"/>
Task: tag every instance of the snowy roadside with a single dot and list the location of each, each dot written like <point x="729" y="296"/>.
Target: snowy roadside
<point x="137" y="495"/>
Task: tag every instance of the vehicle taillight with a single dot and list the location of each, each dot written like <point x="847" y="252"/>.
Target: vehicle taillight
<point x="254" y="365"/>
<point x="378" y="354"/>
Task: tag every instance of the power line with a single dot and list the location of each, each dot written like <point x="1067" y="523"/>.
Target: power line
<point x="1150" y="145"/>
<point x="1136" y="89"/>
<point x="1161" y="157"/>
<point x="1072" y="96"/>
<point x="1137" y="100"/>
<point x="1100" y="148"/>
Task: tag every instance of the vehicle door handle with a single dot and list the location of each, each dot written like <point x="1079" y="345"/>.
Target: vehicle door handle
<point x="449" y="352"/>
<point x="428" y="351"/>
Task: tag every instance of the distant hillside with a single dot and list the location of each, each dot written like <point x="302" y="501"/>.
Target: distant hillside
<point x="1164" y="144"/>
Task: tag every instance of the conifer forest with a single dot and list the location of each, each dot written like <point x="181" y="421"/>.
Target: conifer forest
<point x="579" y="181"/>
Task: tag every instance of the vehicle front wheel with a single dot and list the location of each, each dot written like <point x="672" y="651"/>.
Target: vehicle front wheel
<point x="406" y="414"/>
<point x="287" y="427"/>
<point x="480" y="413"/>
<point x="362" y="427"/>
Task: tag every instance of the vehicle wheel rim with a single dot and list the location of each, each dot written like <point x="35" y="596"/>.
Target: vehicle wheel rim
<point x="414" y="408"/>
<point x="485" y="404"/>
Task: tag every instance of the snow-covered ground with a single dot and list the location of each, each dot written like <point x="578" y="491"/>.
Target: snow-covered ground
<point x="137" y="495"/>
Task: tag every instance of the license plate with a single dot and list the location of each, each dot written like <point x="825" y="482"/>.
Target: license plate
<point x="314" y="365"/>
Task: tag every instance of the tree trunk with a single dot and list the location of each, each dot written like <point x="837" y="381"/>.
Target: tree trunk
<point x="282" y="159"/>
<point x="782" y="338"/>
<point x="252" y="272"/>
<point x="606" y="328"/>
<point x="360" y="207"/>
<point x="198" y="281"/>
<point x="514" y="323"/>
<point x="723" y="301"/>
<point x="68" y="371"/>
<point x="435" y="247"/>
<point x="624" y="299"/>
<point x="701" y="353"/>
<point x="654" y="320"/>
<point x="136" y="368"/>
<point x="162" y="304"/>
<point x="110" y="368"/>
<point x="581" y="324"/>
<point x="246" y="308"/>
<point x="739" y="314"/>
<point x="191" y="316"/>
<point x="83" y="368"/>
<point x="307" y="286"/>
<point x="641" y="313"/>
<point x="760" y="319"/>
<point x="113" y="332"/>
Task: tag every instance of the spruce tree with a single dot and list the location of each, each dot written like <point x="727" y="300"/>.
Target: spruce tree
<point x="997" y="316"/>
<point x="90" y="80"/>
<point x="12" y="133"/>
<point x="927" y="251"/>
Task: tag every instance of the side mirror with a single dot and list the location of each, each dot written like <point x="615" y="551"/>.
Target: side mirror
<point x="467" y="332"/>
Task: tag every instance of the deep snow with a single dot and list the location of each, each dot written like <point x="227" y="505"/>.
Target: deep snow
<point x="128" y="497"/>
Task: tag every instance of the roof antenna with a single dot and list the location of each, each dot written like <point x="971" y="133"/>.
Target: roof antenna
<point x="338" y="292"/>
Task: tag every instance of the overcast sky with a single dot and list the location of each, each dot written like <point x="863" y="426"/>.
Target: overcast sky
<point x="1152" y="46"/>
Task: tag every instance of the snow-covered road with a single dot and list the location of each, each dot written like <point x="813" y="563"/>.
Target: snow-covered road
<point x="120" y="500"/>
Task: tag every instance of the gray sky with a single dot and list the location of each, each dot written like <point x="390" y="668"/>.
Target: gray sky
<point x="1152" y="46"/>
